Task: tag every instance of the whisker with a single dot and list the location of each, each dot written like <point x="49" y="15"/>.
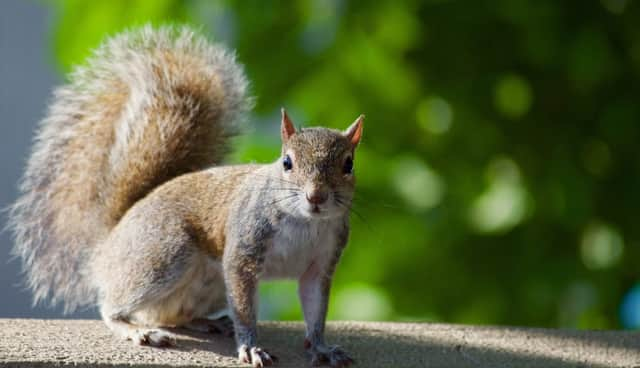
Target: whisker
<point x="361" y="217"/>
<point x="367" y="202"/>
<point x="340" y="201"/>
<point x="267" y="189"/>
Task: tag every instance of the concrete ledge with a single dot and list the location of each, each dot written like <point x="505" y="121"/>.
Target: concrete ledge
<point x="37" y="343"/>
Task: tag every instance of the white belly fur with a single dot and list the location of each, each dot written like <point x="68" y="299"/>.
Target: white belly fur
<point x="296" y="245"/>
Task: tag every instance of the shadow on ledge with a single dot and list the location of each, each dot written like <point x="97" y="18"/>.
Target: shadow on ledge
<point x="89" y="343"/>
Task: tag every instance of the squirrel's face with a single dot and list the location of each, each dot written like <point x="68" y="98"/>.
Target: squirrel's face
<point x="317" y="168"/>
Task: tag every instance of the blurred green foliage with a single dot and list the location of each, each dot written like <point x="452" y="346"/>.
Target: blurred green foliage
<point x="498" y="178"/>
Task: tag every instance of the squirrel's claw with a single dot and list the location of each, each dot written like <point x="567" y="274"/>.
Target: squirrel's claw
<point x="331" y="355"/>
<point x="255" y="356"/>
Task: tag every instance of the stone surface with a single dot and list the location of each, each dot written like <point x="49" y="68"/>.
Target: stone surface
<point x="83" y="343"/>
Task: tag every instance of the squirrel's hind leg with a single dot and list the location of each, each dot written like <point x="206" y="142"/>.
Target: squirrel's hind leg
<point x="139" y="335"/>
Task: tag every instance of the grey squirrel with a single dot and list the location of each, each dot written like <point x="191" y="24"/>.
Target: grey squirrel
<point x="124" y="204"/>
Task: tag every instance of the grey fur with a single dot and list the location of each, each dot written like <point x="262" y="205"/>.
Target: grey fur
<point x="117" y="208"/>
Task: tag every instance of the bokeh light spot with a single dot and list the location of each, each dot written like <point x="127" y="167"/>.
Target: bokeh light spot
<point x="434" y="115"/>
<point x="601" y="247"/>
<point x="630" y="308"/>
<point x="504" y="204"/>
<point x="513" y="96"/>
<point x="615" y="6"/>
<point x="418" y="184"/>
<point x="361" y="302"/>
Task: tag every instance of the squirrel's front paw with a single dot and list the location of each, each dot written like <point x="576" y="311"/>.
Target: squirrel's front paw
<point x="255" y="356"/>
<point x="333" y="355"/>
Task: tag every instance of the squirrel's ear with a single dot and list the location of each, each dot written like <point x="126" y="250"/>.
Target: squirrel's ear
<point x="354" y="132"/>
<point x="286" y="129"/>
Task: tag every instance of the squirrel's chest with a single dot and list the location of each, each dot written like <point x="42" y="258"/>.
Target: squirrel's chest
<point x="295" y="245"/>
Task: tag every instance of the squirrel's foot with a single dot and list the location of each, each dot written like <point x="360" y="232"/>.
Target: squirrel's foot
<point x="222" y="325"/>
<point x="255" y="356"/>
<point x="332" y="355"/>
<point x="157" y="338"/>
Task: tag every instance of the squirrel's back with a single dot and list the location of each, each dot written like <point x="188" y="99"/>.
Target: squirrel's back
<point x="149" y="105"/>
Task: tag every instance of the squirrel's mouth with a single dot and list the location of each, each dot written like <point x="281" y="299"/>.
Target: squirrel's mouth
<point x="317" y="211"/>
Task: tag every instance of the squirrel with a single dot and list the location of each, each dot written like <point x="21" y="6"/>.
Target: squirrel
<point x="126" y="204"/>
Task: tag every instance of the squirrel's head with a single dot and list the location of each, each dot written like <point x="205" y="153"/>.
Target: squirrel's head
<point x="317" y="167"/>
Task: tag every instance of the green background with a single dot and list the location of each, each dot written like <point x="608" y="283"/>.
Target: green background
<point x="499" y="172"/>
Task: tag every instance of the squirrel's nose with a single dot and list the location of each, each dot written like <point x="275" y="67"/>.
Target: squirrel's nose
<point x="317" y="197"/>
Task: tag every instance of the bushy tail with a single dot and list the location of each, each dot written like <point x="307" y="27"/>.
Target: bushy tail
<point x="149" y="105"/>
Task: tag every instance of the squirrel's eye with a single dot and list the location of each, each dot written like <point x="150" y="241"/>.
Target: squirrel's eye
<point x="286" y="162"/>
<point x="348" y="166"/>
